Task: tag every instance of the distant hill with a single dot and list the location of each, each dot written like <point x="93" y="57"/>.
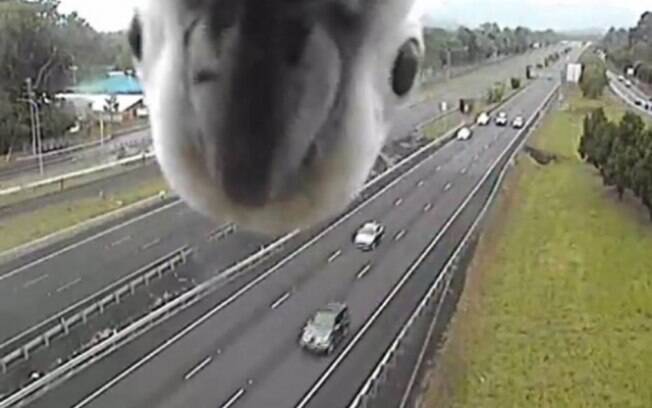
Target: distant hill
<point x="446" y="24"/>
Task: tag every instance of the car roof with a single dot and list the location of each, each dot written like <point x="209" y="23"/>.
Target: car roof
<point x="334" y="307"/>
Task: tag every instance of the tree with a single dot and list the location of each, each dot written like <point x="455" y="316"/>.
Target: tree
<point x="48" y="47"/>
<point x="593" y="79"/>
<point x="516" y="83"/>
<point x="621" y="152"/>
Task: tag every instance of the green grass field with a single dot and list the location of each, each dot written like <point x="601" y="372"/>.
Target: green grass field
<point x="558" y="307"/>
<point x="28" y="227"/>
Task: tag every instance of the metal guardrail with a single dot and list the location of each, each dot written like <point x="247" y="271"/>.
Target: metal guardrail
<point x="73" y="175"/>
<point x="42" y="334"/>
<point x="178" y="304"/>
<point x="86" y="145"/>
<point x="370" y="387"/>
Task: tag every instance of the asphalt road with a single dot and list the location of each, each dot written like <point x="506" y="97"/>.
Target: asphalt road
<point x="124" y="180"/>
<point x="242" y="351"/>
<point x="27" y="170"/>
<point x="471" y="85"/>
<point x="632" y="94"/>
<point x="34" y="288"/>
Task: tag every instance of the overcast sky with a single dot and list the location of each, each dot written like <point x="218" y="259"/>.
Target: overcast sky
<point x="558" y="14"/>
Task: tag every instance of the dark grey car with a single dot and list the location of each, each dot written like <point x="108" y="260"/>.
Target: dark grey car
<point x="326" y="329"/>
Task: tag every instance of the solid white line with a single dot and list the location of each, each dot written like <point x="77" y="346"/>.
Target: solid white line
<point x="198" y="368"/>
<point x="192" y="326"/>
<point x="398" y="202"/>
<point x="35" y="281"/>
<point x="394" y="292"/>
<point x="363" y="272"/>
<point x="150" y="244"/>
<point x="448" y="186"/>
<point x="400" y="235"/>
<point x="281" y="300"/>
<point x="335" y="255"/>
<point x="68" y="285"/>
<point x="234" y="398"/>
<point x="86" y="240"/>
<point x="427" y="207"/>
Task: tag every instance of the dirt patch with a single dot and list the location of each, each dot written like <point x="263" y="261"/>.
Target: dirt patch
<point x="541" y="156"/>
<point x="450" y="362"/>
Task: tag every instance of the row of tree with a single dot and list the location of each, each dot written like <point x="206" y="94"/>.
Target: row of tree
<point x="632" y="47"/>
<point x="467" y="46"/>
<point x="53" y="50"/>
<point x="622" y="152"/>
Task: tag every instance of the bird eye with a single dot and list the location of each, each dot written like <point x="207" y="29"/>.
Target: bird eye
<point x="135" y="38"/>
<point x="406" y="68"/>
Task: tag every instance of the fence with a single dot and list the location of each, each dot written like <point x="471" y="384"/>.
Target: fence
<point x="41" y="335"/>
<point x="392" y="381"/>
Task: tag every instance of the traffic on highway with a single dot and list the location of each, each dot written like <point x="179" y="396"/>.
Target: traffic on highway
<point x="260" y="269"/>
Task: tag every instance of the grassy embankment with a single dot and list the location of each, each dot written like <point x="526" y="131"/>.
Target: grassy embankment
<point x="557" y="311"/>
<point x="27" y="227"/>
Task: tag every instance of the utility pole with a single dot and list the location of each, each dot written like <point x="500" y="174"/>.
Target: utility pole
<point x="28" y="83"/>
<point x="37" y="147"/>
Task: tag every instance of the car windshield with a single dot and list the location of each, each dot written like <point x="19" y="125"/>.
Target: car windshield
<point x="324" y="319"/>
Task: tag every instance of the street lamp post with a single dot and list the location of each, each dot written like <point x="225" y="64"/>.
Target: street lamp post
<point x="36" y="131"/>
<point x="35" y="122"/>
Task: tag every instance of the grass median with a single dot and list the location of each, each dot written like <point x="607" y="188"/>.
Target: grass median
<point x="557" y="311"/>
<point x="24" y="228"/>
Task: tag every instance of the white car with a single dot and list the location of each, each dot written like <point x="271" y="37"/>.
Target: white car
<point x="464" y="134"/>
<point x="483" y="119"/>
<point x="368" y="236"/>
<point x="518" y="122"/>
<point x="501" y="119"/>
<point x="628" y="83"/>
<point x="621" y="78"/>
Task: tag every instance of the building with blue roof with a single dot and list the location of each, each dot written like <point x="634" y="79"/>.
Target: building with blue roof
<point x="116" y="83"/>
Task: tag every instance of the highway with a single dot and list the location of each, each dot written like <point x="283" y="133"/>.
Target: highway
<point x="37" y="286"/>
<point x="237" y="348"/>
<point x="630" y="95"/>
<point x="66" y="161"/>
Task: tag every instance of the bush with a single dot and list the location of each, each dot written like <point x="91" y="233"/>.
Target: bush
<point x="621" y="152"/>
<point x="516" y="83"/>
<point x="593" y="79"/>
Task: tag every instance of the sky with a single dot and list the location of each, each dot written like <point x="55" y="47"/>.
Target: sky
<point x="538" y="14"/>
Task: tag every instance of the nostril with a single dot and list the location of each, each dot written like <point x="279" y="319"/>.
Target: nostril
<point x="310" y="156"/>
<point x="205" y="75"/>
